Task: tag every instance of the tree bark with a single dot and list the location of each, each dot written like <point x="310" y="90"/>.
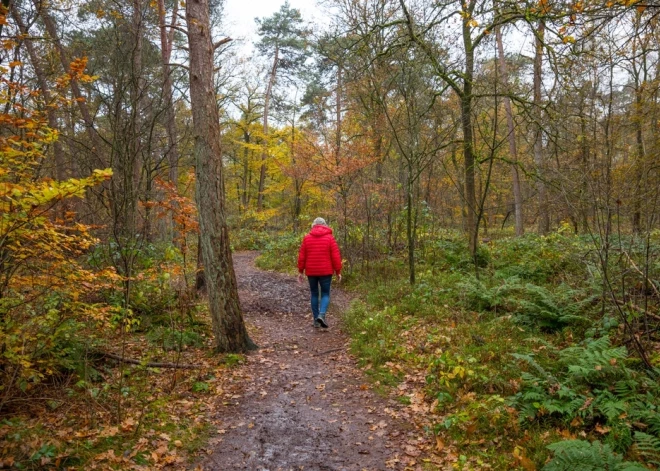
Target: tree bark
<point x="468" y="145"/>
<point x="544" y="215"/>
<point x="517" y="194"/>
<point x="228" y="326"/>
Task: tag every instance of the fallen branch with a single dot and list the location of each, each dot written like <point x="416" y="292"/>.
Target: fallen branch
<point x="328" y="351"/>
<point x="150" y="364"/>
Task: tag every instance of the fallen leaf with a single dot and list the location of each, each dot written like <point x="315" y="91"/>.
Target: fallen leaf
<point x="439" y="444"/>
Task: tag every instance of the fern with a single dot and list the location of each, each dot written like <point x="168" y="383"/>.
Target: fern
<point x="573" y="455"/>
<point x="610" y="406"/>
<point x="648" y="446"/>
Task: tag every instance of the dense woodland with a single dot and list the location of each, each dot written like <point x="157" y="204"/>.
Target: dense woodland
<point x="490" y="168"/>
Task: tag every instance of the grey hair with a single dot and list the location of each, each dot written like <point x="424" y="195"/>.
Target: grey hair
<point x="319" y="222"/>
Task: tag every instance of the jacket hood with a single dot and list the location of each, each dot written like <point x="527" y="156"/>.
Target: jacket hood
<point x="320" y="231"/>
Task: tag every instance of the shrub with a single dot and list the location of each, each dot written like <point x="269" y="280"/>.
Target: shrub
<point x="280" y="253"/>
<point x="171" y="339"/>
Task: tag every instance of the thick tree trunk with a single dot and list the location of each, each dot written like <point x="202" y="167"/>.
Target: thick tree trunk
<point x="264" y="154"/>
<point x="228" y="325"/>
<point x="517" y="194"/>
<point x="544" y="213"/>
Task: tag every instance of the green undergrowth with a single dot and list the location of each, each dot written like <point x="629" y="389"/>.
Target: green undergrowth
<point x="522" y="363"/>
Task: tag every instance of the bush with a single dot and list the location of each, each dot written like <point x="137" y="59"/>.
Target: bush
<point x="171" y="339"/>
<point x="249" y="239"/>
<point x="538" y="259"/>
<point x="280" y="253"/>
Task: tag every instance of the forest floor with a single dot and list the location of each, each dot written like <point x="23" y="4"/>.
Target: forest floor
<point x="304" y="404"/>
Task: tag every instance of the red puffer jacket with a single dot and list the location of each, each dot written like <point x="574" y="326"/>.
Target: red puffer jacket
<point x="319" y="253"/>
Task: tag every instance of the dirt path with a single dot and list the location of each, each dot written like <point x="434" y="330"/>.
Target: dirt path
<point x="302" y="404"/>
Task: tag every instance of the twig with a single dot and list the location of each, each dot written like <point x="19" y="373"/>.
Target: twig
<point x="328" y="351"/>
<point x="150" y="364"/>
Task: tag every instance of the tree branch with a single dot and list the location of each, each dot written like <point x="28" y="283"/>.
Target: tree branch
<point x="217" y="44"/>
<point x="150" y="364"/>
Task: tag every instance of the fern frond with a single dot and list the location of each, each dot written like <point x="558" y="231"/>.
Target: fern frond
<point x="648" y="446"/>
<point x="573" y="455"/>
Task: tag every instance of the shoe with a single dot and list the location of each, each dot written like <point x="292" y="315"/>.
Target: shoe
<point x="322" y="322"/>
<point x="316" y="323"/>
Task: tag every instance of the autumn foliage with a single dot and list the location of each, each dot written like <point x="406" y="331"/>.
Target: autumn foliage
<point x="44" y="287"/>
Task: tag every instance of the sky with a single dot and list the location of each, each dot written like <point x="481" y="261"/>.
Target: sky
<point x="240" y="15"/>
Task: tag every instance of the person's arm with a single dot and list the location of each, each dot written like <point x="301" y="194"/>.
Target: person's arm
<point x="302" y="258"/>
<point x="335" y="256"/>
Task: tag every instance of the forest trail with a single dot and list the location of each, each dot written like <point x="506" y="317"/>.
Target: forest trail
<point x="303" y="404"/>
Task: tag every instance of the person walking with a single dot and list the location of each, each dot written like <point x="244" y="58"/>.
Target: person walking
<point x="319" y="258"/>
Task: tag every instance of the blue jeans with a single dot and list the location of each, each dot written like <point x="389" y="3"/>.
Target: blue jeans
<point x="314" y="283"/>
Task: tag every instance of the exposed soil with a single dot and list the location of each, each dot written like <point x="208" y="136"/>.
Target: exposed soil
<point x="302" y="404"/>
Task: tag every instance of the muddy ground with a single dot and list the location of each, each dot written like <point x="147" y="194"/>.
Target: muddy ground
<point x="302" y="403"/>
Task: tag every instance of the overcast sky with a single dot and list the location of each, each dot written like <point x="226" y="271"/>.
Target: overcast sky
<point x="240" y="15"/>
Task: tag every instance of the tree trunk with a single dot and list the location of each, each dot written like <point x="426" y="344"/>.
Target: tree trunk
<point x="92" y="134"/>
<point x="264" y="155"/>
<point x="639" y="164"/>
<point x="135" y="161"/>
<point x="517" y="194"/>
<point x="58" y="153"/>
<point x="410" y="234"/>
<point x="245" y="199"/>
<point x="468" y="149"/>
<point x="228" y="326"/>
<point x="544" y="215"/>
<point x="200" y="280"/>
<point x="170" y="116"/>
<point x="338" y="114"/>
